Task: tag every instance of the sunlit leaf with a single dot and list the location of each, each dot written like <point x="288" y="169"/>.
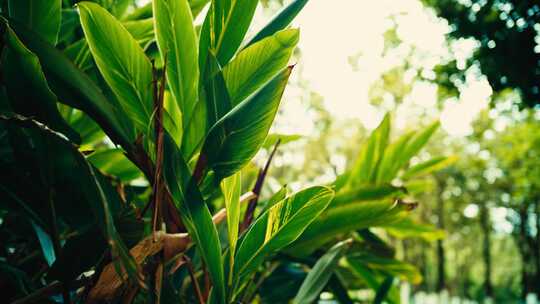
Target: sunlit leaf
<point x="232" y="188"/>
<point x="429" y="166"/>
<point x="365" y="167"/>
<point x="121" y="61"/>
<point x="257" y="63"/>
<point x="280" y="21"/>
<point x="280" y="225"/>
<point x="235" y="138"/>
<point x="224" y="28"/>
<point x="177" y="42"/>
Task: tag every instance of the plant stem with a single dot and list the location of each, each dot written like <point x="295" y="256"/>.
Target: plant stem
<point x="250" y="210"/>
<point x="194" y="280"/>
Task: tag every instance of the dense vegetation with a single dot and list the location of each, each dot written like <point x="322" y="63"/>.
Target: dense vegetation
<point x="140" y="161"/>
<point x="127" y="134"/>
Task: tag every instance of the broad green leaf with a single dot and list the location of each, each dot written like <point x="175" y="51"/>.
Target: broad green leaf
<point x="272" y="139"/>
<point x="26" y="86"/>
<point x="177" y="42"/>
<point x="197" y="6"/>
<point x="195" y="130"/>
<point x="232" y="188"/>
<point x="428" y="167"/>
<point x="69" y="168"/>
<point x="390" y="162"/>
<point x="320" y="273"/>
<point x="79" y="53"/>
<point x="279" y="226"/>
<point x="89" y="130"/>
<point x="365" y="167"/>
<point x="366" y="193"/>
<point x="70" y="24"/>
<point x="387" y="266"/>
<point x="246" y="127"/>
<point x="280" y="21"/>
<point x="114" y="162"/>
<point x="408" y="228"/>
<point x="416" y="143"/>
<point x="76" y="89"/>
<point x="224" y="28"/>
<point x="172" y="118"/>
<point x="195" y="214"/>
<point x="141" y="30"/>
<point x="142" y="12"/>
<point x="217" y="98"/>
<point x="274" y="199"/>
<point x="373" y="280"/>
<point x="339" y="220"/>
<point x="258" y="63"/>
<point x="121" y="61"/>
<point x="41" y="16"/>
<point x="145" y="11"/>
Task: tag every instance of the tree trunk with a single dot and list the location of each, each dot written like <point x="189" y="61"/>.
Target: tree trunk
<point x="524" y="249"/>
<point x="486" y="250"/>
<point x="537" y="247"/>
<point x="441" y="284"/>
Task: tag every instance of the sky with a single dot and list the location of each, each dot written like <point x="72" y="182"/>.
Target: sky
<point x="335" y="34"/>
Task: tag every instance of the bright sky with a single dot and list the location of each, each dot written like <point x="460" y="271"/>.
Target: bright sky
<point x="333" y="32"/>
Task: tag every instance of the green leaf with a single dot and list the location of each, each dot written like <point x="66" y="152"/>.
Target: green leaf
<point x="195" y="214"/>
<point x="195" y="130"/>
<point x="76" y="89"/>
<point x="26" y="87"/>
<point x="69" y="168"/>
<point x="274" y="199"/>
<point x="366" y="193"/>
<point x="114" y="162"/>
<point x="280" y="21"/>
<point x="390" y="164"/>
<point x="387" y="266"/>
<point x="232" y="188"/>
<point x="365" y="167"/>
<point x="428" y="167"/>
<point x="257" y="63"/>
<point x="320" y="273"/>
<point x="408" y="228"/>
<point x="224" y="28"/>
<point x="399" y="153"/>
<point x="339" y="220"/>
<point x="279" y="226"/>
<point x="272" y="139"/>
<point x="416" y="143"/>
<point x="121" y="61"/>
<point x="177" y="42"/>
<point x="235" y="139"/>
<point x="141" y="30"/>
<point x="197" y="6"/>
<point x="42" y="16"/>
<point x="217" y="96"/>
<point x="45" y="243"/>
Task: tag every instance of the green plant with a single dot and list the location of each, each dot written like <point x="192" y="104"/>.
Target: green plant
<point x="123" y="131"/>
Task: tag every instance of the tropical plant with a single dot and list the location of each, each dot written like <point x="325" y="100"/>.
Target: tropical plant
<point x="341" y="247"/>
<point x="123" y="131"/>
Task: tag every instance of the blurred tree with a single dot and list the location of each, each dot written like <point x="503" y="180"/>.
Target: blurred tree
<point x="508" y="51"/>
